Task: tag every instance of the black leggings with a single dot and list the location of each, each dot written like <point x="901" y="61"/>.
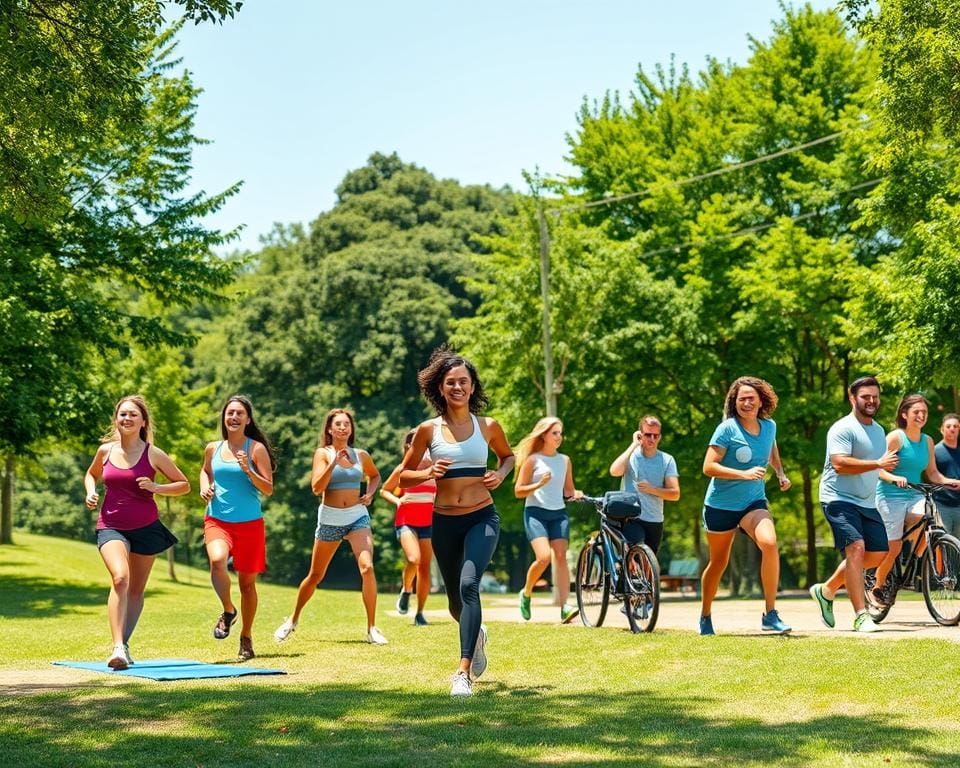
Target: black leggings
<point x="463" y="546"/>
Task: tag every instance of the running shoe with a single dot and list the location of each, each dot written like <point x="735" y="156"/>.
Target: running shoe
<point x="376" y="637"/>
<point x="285" y="630"/>
<point x="126" y="649"/>
<point x="771" y="622"/>
<point x="462" y="686"/>
<point x="246" y="649"/>
<point x="479" y="663"/>
<point x="826" y="606"/>
<point x="119" y="659"/>
<point x="706" y="625"/>
<point x="566" y="611"/>
<point x="863" y="623"/>
<point x="403" y="603"/>
<point x="524" y="606"/>
<point x="420" y="621"/>
<point x="221" y="629"/>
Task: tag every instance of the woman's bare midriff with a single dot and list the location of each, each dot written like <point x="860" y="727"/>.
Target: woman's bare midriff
<point x="341" y="498"/>
<point x="461" y="496"/>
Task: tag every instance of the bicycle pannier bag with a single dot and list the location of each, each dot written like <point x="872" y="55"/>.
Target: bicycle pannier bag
<point x="622" y="505"/>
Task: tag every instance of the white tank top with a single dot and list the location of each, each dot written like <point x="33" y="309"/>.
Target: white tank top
<point x="551" y="495"/>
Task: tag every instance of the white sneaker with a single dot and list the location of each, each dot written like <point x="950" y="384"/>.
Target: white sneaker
<point x="461" y="685"/>
<point x="863" y="623"/>
<point x="126" y="649"/>
<point x="119" y="659"/>
<point x="284" y="630"/>
<point x="376" y="637"/>
<point x="479" y="663"/>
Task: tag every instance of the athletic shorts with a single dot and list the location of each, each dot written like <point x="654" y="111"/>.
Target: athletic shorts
<point x="724" y="520"/>
<point x="326" y="532"/>
<point x="850" y="523"/>
<point x="420" y="531"/>
<point x="551" y="524"/>
<point x="149" y="540"/>
<point x="637" y="531"/>
<point x="246" y="540"/>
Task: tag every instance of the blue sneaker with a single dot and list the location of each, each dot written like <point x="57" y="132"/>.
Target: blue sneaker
<point x="771" y="622"/>
<point x="706" y="625"/>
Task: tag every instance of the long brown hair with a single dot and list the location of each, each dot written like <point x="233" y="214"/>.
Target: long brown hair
<point x="146" y="431"/>
<point x="251" y="429"/>
<point x="906" y="403"/>
<point x="325" y="438"/>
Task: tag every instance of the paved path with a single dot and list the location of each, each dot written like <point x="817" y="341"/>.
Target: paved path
<point x="907" y="619"/>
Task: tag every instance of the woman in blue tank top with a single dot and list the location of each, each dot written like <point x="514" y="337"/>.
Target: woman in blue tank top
<point x="339" y="470"/>
<point x="466" y="526"/>
<point x="900" y="506"/>
<point x="236" y="471"/>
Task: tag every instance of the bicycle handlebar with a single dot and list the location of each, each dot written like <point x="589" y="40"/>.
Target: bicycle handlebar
<point x="927" y="489"/>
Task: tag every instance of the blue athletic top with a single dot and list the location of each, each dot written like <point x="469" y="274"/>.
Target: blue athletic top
<point x="467" y="458"/>
<point x="743" y="451"/>
<point x="235" y="498"/>
<point x="342" y="478"/>
<point x="912" y="460"/>
<point x="655" y="471"/>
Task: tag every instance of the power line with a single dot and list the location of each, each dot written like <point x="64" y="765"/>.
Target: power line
<point x="709" y="174"/>
<point x="755" y="228"/>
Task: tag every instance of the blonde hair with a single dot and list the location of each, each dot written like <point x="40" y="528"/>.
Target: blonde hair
<point x="146" y="431"/>
<point x="534" y="441"/>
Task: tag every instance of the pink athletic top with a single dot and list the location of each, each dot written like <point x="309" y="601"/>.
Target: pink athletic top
<point x="125" y="506"/>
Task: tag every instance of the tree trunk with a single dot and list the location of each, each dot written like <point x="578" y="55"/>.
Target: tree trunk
<point x="171" y="572"/>
<point x="6" y="513"/>
<point x="811" y="527"/>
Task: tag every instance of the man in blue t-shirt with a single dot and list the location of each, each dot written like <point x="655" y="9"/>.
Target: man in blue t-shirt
<point x="947" y="455"/>
<point x="653" y="475"/>
<point x="856" y="452"/>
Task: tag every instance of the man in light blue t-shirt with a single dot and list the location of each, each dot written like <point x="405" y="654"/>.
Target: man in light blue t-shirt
<point x="653" y="475"/>
<point x="856" y="452"/>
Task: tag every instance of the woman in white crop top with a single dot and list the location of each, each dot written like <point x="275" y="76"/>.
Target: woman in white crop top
<point x="466" y="526"/>
<point x="544" y="481"/>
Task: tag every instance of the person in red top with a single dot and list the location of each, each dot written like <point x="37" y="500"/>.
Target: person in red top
<point x="414" y="527"/>
<point x="129" y="532"/>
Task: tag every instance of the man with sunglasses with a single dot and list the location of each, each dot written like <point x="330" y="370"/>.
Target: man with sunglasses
<point x="653" y="475"/>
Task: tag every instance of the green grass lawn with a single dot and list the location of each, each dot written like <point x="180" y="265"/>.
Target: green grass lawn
<point x="552" y="694"/>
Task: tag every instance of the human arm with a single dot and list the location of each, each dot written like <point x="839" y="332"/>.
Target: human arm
<point x="886" y="474"/>
<point x="670" y="491"/>
<point x="497" y="441"/>
<point x="619" y="465"/>
<point x="777" y="465"/>
<point x="392" y="481"/>
<point x="372" y="474"/>
<point x="713" y="468"/>
<point x="92" y="477"/>
<point x="569" y="489"/>
<point x="525" y="485"/>
<point x="323" y="460"/>
<point x="207" y="489"/>
<point x="262" y="476"/>
<point x="178" y="485"/>
<point x="411" y="473"/>
<point x="845" y="464"/>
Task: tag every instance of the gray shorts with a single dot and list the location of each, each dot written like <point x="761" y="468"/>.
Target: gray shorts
<point x="893" y="512"/>
<point x="326" y="532"/>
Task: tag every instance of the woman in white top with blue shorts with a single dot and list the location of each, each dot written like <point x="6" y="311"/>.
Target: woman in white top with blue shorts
<point x="544" y="481"/>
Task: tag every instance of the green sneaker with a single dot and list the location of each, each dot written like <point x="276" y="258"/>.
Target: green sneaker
<point x="524" y="606"/>
<point x="826" y="606"/>
<point x="863" y="623"/>
<point x="566" y="613"/>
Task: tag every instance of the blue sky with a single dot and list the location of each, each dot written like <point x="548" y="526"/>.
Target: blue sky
<point x="298" y="93"/>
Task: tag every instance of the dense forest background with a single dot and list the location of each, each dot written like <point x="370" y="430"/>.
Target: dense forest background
<point x="794" y="217"/>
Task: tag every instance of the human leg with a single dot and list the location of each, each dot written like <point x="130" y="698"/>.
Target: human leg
<point x="249" y="601"/>
<point x="448" y="538"/>
<point x="116" y="557"/>
<point x="410" y="544"/>
<point x="323" y="552"/>
<point x="541" y="555"/>
<point x="719" y="545"/>
<point x="758" y="525"/>
<point x="479" y="544"/>
<point x="562" y="576"/>
<point x="361" y="542"/>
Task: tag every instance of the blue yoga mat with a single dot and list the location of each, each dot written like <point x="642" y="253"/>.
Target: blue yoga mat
<point x="171" y="669"/>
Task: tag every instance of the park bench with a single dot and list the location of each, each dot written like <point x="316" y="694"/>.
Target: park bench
<point x="682" y="575"/>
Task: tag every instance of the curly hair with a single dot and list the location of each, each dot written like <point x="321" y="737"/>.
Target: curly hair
<point x="430" y="378"/>
<point x="768" y="398"/>
<point x="252" y="429"/>
<point x="906" y="403"/>
<point x="325" y="438"/>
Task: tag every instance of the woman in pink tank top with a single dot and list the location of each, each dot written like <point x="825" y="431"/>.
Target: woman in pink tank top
<point x="129" y="532"/>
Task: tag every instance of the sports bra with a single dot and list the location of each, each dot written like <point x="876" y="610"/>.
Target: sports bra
<point x="346" y="479"/>
<point x="468" y="458"/>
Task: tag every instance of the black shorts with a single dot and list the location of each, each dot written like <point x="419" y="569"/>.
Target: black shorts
<point x="637" y="531"/>
<point x="850" y="522"/>
<point x="150" y="540"/>
<point x="723" y="520"/>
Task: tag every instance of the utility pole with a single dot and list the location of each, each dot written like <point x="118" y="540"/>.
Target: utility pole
<point x="550" y="394"/>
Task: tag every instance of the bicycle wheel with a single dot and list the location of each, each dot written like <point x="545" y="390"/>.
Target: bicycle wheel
<point x="593" y="586"/>
<point x="941" y="580"/>
<point x="642" y="588"/>
<point x="878" y="612"/>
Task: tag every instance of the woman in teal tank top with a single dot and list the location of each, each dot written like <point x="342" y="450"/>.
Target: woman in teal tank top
<point x="236" y="471"/>
<point x="898" y="505"/>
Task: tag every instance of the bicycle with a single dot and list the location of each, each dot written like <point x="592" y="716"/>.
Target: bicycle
<point x="935" y="573"/>
<point x="608" y="565"/>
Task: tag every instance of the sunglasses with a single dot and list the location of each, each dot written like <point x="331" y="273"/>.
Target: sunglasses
<point x="651" y="435"/>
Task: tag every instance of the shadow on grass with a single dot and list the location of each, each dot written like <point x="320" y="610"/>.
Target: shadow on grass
<point x="32" y="597"/>
<point x="256" y="725"/>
